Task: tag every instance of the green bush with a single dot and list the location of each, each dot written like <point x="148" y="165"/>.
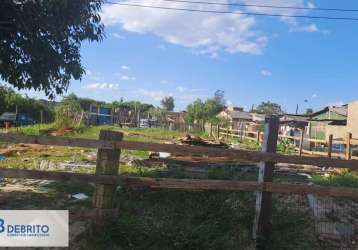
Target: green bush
<point x="286" y="147"/>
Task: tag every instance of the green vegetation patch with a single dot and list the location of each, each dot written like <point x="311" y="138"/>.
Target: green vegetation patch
<point x="346" y="179"/>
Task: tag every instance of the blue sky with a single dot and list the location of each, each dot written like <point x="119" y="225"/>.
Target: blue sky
<point x="149" y="54"/>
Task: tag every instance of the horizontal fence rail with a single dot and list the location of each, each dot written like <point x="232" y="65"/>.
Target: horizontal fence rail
<point x="106" y="176"/>
<point x="184" y="184"/>
<point x="181" y="149"/>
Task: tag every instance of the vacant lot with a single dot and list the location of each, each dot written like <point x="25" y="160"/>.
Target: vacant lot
<point x="170" y="219"/>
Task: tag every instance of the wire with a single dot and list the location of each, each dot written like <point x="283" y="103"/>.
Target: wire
<point x="264" y="6"/>
<point x="234" y="12"/>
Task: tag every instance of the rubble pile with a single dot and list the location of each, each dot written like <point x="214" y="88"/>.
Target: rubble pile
<point x="198" y="141"/>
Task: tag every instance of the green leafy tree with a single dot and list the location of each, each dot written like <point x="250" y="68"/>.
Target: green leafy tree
<point x="195" y="111"/>
<point x="66" y="110"/>
<point x="40" y="41"/>
<point x="200" y="111"/>
<point x="10" y="101"/>
<point x="168" y="103"/>
<point x="132" y="105"/>
<point x="219" y="97"/>
<point x="269" y="108"/>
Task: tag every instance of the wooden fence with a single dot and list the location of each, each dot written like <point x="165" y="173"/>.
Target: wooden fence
<point x="106" y="176"/>
<point x="257" y="136"/>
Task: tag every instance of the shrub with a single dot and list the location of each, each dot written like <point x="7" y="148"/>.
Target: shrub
<point x="66" y="111"/>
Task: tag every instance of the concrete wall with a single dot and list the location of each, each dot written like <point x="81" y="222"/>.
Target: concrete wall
<point x="352" y="120"/>
<point x="336" y="131"/>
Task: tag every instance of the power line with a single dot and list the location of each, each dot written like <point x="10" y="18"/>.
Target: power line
<point x="264" y="6"/>
<point x="235" y="12"/>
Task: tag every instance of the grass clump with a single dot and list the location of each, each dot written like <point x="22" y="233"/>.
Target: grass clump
<point x="345" y="179"/>
<point x="169" y="219"/>
<point x="285" y="147"/>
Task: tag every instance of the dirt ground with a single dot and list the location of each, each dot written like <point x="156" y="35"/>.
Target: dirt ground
<point x="313" y="221"/>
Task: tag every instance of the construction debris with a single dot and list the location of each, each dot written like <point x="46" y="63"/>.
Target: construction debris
<point x="70" y="165"/>
<point x="92" y="156"/>
<point x="198" y="141"/>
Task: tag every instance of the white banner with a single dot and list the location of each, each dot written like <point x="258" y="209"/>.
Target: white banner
<point x="34" y="228"/>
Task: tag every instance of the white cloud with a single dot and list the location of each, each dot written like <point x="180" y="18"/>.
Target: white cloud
<point x="229" y="103"/>
<point x="117" y="35"/>
<point x="157" y="95"/>
<point x="266" y="72"/>
<point x="127" y="78"/>
<point x="103" y="85"/>
<point x="181" y="94"/>
<point x="314" y="95"/>
<point x="88" y="72"/>
<point x="281" y="11"/>
<point x="94" y="76"/>
<point x="180" y="89"/>
<point x="205" y="33"/>
<point x="311" y="28"/>
<point x="336" y="103"/>
<point x="125" y="67"/>
<point x="162" y="47"/>
<point x="292" y="22"/>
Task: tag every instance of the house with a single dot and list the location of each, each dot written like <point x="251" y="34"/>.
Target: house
<point x="330" y="120"/>
<point x="239" y="118"/>
<point x="292" y="124"/>
<point x="336" y="121"/>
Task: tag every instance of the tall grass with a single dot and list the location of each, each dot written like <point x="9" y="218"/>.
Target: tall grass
<point x="37" y="129"/>
<point x="340" y="180"/>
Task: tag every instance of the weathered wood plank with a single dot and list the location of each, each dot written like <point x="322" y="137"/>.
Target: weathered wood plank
<point x="330" y="144"/>
<point x="348" y="146"/>
<point x="263" y="208"/>
<point x="186" y="184"/>
<point x="107" y="164"/>
<point x="298" y="138"/>
<point x="182" y="149"/>
<point x="192" y="184"/>
<point x="301" y="141"/>
<point x="56" y="175"/>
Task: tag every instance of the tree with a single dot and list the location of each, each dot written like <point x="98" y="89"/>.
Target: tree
<point x="269" y="108"/>
<point x="309" y="111"/>
<point x="195" y="112"/>
<point x="168" y="103"/>
<point x="40" y="41"/>
<point x="200" y="111"/>
<point x="66" y="110"/>
<point x="10" y="101"/>
<point x="219" y="97"/>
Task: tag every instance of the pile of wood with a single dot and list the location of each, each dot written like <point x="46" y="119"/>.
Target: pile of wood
<point x="198" y="141"/>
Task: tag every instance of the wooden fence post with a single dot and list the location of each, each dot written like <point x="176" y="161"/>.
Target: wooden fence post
<point x="262" y="223"/>
<point x="107" y="164"/>
<point x="244" y="132"/>
<point x="218" y="131"/>
<point x="301" y="141"/>
<point x="258" y="137"/>
<point x="348" y="146"/>
<point x="330" y="143"/>
<point x="211" y="129"/>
